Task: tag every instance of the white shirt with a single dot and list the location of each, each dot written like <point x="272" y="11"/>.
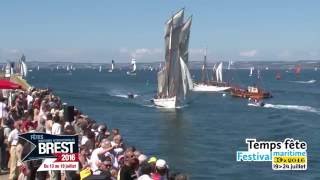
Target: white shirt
<point x="145" y="177"/>
<point x="29" y="99"/>
<point x="94" y="159"/>
<point x="6" y="131"/>
<point x="56" y="129"/>
<point x="13" y="137"/>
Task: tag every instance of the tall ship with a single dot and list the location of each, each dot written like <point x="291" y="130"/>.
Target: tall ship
<point x="216" y="84"/>
<point x="174" y="79"/>
<point x="112" y="66"/>
<point x="133" y="68"/>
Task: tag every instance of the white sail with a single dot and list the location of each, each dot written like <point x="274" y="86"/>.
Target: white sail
<point x="112" y="66"/>
<point x="23" y="66"/>
<point x="186" y="78"/>
<point x="229" y="65"/>
<point x="214" y="71"/>
<point x="24" y="69"/>
<point x="38" y="67"/>
<point x="162" y="82"/>
<point x="134" y="66"/>
<point x="68" y="68"/>
<point x="219" y="73"/>
<point x="251" y="71"/>
<point x="184" y="40"/>
<point x="57" y="67"/>
<point x="214" y="68"/>
<point x="8" y="70"/>
<point x="100" y="68"/>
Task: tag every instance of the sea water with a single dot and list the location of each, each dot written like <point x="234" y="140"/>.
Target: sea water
<point x="200" y="139"/>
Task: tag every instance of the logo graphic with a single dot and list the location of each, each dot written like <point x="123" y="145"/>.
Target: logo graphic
<point x="290" y="154"/>
<point x="59" y="152"/>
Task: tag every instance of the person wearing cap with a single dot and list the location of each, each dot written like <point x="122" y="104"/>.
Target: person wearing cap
<point x="161" y="170"/>
<point x="152" y="161"/>
<point x="102" y="129"/>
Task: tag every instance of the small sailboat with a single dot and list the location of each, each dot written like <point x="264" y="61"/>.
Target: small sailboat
<point x="229" y="65"/>
<point x="57" y="68"/>
<point x="211" y="86"/>
<point x="38" y="67"/>
<point x="23" y="66"/>
<point x="134" y="68"/>
<point x="150" y="68"/>
<point x="68" y="68"/>
<point x="251" y="71"/>
<point x="100" y="68"/>
<point x="112" y="66"/>
<point x="174" y="79"/>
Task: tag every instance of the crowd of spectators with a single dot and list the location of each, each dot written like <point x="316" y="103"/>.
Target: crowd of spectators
<point x="102" y="154"/>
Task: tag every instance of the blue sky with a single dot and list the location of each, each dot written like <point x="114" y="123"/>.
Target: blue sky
<point x="99" y="31"/>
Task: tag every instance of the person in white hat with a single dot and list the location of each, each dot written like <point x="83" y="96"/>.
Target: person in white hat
<point x="162" y="171"/>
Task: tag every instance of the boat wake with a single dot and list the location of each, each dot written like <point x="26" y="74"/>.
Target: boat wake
<point x="305" y="82"/>
<point x="125" y="95"/>
<point x="291" y="107"/>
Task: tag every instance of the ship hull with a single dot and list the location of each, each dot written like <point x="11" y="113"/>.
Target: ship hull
<point x="169" y="103"/>
<point x="245" y="94"/>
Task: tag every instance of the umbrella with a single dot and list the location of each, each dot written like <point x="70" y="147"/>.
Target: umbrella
<point x="6" y="84"/>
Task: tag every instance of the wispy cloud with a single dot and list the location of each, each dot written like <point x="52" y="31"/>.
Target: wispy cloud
<point x="250" y="53"/>
<point x="144" y="52"/>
